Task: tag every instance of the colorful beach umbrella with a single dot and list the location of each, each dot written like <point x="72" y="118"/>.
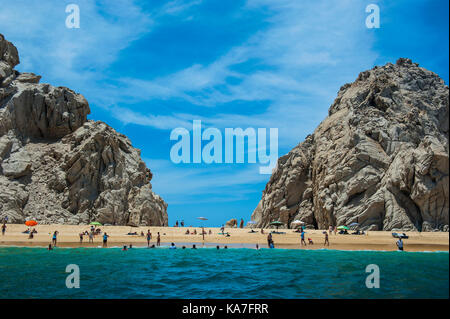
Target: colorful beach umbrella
<point x="343" y="227"/>
<point x="95" y="224"/>
<point x="354" y="224"/>
<point x="31" y="223"/>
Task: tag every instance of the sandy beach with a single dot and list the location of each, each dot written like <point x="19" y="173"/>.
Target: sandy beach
<point x="69" y="237"/>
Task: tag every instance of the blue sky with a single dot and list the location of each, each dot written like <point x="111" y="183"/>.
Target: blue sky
<point x="147" y="67"/>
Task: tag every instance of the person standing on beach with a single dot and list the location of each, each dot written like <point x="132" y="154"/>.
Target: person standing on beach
<point x="241" y="224"/>
<point x="149" y="237"/>
<point x="400" y="244"/>
<point x="81" y="238"/>
<point x="269" y="240"/>
<point x="182" y="223"/>
<point x="105" y="239"/>
<point x="54" y="237"/>
<point x="302" y="235"/>
<point x="158" y="240"/>
<point x="326" y="240"/>
<point x="3" y="229"/>
<point x="91" y="237"/>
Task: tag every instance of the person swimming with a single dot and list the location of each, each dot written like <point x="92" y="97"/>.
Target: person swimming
<point x="50" y="247"/>
<point x="184" y="247"/>
<point x="217" y="247"/>
<point x="194" y="247"/>
<point x="226" y="247"/>
<point x="172" y="246"/>
<point x="124" y="248"/>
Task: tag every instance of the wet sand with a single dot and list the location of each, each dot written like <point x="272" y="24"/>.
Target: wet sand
<point x="69" y="237"/>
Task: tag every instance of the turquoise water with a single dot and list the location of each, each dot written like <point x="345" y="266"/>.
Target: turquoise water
<point x="211" y="273"/>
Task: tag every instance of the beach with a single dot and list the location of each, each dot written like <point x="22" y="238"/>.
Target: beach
<point x="68" y="236"/>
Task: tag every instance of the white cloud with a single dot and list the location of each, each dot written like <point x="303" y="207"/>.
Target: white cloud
<point x="190" y="183"/>
<point x="306" y="52"/>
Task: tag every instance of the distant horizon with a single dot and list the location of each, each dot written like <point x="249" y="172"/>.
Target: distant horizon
<point x="248" y="64"/>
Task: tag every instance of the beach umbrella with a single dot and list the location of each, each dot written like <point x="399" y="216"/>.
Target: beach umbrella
<point x="202" y="219"/>
<point x="298" y="222"/>
<point x="354" y="224"/>
<point x="277" y="224"/>
<point x="31" y="223"/>
<point x="95" y="224"/>
<point x="343" y="227"/>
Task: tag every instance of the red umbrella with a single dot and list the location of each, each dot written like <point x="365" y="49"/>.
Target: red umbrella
<point x="31" y="223"/>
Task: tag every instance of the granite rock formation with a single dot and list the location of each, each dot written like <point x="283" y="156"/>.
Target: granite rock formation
<point x="380" y="158"/>
<point x="58" y="167"/>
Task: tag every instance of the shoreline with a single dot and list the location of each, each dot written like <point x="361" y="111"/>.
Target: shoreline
<point x="239" y="238"/>
<point x="213" y="246"/>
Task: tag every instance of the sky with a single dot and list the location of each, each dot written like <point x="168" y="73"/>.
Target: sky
<point x="149" y="67"/>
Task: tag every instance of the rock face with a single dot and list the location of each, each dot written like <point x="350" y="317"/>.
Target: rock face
<point x="58" y="167"/>
<point x="380" y="158"/>
<point x="232" y="223"/>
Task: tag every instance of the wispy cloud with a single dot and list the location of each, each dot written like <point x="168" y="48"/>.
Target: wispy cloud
<point x="294" y="67"/>
<point x="206" y="184"/>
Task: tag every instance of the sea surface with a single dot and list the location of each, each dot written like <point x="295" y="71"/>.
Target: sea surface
<point x="224" y="273"/>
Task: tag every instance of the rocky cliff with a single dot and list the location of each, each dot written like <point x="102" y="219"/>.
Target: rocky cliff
<point x="58" y="167"/>
<point x="380" y="158"/>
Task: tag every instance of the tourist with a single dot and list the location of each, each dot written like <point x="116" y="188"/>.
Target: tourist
<point x="176" y="224"/>
<point x="91" y="237"/>
<point x="172" y="246"/>
<point x="31" y="235"/>
<point x="55" y="233"/>
<point x="330" y="229"/>
<point x="335" y="230"/>
<point x="302" y="235"/>
<point x="184" y="247"/>
<point x="81" y="238"/>
<point x="400" y="244"/>
<point x="194" y="247"/>
<point x="262" y="230"/>
<point x="269" y="239"/>
<point x="3" y="229"/>
<point x="187" y="232"/>
<point x="131" y="246"/>
<point x="222" y="230"/>
<point x="50" y="247"/>
<point x="182" y="223"/>
<point x="226" y="247"/>
<point x="217" y="247"/>
<point x="149" y="237"/>
<point x="326" y="239"/>
<point x="158" y="240"/>
<point x="257" y="246"/>
<point x="105" y="239"/>
<point x="241" y="225"/>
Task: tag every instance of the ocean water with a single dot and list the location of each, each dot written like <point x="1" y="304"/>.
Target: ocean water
<point x="230" y="273"/>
